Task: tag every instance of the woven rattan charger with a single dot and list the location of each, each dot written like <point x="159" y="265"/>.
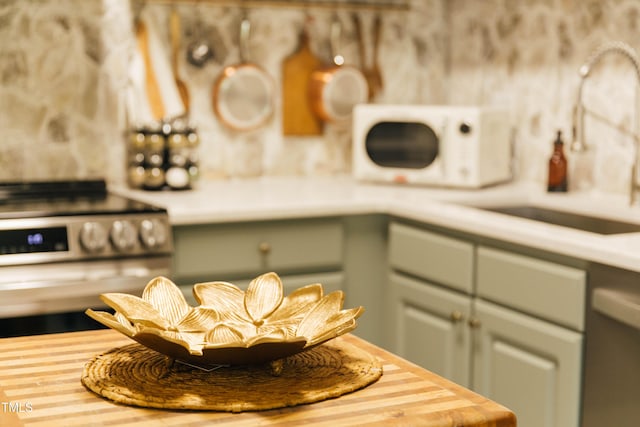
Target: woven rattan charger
<point x="277" y="350"/>
<point x="135" y="375"/>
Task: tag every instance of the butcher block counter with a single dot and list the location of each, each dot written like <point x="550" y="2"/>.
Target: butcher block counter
<point x="40" y="386"/>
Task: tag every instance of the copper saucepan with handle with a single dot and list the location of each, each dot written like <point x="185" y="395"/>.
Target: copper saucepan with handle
<point x="243" y="94"/>
<point x="335" y="89"/>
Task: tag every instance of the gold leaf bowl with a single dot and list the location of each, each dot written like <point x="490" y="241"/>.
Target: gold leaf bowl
<point x="230" y="326"/>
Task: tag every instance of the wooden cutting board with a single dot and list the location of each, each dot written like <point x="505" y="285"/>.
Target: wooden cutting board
<point x="298" y="118"/>
<point x="40" y="378"/>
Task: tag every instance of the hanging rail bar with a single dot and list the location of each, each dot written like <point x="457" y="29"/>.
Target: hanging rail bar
<point x="399" y="5"/>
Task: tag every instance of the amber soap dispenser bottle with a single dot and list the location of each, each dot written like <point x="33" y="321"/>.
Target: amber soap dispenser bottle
<point x="557" y="181"/>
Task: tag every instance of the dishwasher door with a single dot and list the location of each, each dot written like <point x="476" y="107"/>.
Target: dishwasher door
<point x="611" y="389"/>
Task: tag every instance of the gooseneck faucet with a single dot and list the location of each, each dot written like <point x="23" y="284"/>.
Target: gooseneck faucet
<point x="578" y="143"/>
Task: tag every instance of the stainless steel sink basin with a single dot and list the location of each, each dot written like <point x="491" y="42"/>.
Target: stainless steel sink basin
<point x="568" y="219"/>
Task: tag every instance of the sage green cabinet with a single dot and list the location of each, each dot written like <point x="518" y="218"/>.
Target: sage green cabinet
<point x="301" y="251"/>
<point x="331" y="281"/>
<point x="512" y="332"/>
<point x="243" y="250"/>
<point x="422" y="253"/>
<point x="531" y="366"/>
<point x="430" y="328"/>
<point x="542" y="288"/>
<point x="347" y="253"/>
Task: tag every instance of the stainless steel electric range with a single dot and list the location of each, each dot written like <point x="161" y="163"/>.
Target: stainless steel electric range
<point x="64" y="243"/>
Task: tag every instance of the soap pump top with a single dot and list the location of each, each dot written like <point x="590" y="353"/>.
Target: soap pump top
<point x="557" y="180"/>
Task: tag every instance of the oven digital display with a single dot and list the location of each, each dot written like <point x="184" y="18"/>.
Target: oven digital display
<point x="33" y="240"/>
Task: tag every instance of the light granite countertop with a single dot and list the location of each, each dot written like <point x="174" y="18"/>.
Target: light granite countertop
<point x="270" y="198"/>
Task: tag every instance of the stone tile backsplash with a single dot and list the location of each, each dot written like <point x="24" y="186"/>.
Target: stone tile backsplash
<point x="526" y="54"/>
<point x="64" y="73"/>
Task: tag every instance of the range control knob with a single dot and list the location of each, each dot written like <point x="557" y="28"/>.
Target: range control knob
<point x="153" y="233"/>
<point x="123" y="235"/>
<point x="93" y="237"/>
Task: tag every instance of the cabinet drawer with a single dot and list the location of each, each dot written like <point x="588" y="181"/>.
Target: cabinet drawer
<point x="432" y="256"/>
<point x="546" y="289"/>
<point x="223" y="251"/>
<point x="332" y="281"/>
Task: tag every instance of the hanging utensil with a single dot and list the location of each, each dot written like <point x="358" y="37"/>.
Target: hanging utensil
<point x="152" y="88"/>
<point x="199" y="52"/>
<point x="174" y="30"/>
<point x="337" y="88"/>
<point x="357" y="25"/>
<point x="374" y="75"/>
<point x="243" y="94"/>
<point x="297" y="116"/>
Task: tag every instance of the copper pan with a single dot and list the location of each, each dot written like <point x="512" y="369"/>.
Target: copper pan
<point x="335" y="89"/>
<point x="243" y="93"/>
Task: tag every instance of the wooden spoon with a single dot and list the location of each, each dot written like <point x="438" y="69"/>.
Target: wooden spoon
<point x="372" y="73"/>
<point x="174" y="27"/>
<point x="374" y="76"/>
<point x="151" y="82"/>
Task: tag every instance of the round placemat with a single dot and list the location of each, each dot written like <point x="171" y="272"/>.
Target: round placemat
<point x="135" y="375"/>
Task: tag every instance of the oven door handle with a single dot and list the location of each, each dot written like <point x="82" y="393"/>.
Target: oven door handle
<point x="86" y="282"/>
<point x="79" y="278"/>
<point x="41" y="297"/>
<point x="621" y="306"/>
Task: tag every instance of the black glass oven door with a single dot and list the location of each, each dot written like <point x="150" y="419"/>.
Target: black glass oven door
<point x="402" y="145"/>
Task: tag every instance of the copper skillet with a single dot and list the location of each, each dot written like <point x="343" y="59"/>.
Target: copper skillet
<point x="243" y="93"/>
<point x="335" y="89"/>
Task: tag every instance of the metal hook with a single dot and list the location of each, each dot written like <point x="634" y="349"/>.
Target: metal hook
<point x="245" y="32"/>
<point x="334" y="40"/>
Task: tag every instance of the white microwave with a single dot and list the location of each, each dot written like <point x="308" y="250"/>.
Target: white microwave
<point x="452" y="146"/>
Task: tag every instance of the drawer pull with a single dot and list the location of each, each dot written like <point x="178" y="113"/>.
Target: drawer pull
<point x="456" y="316"/>
<point x="474" y="323"/>
<point x="264" y="247"/>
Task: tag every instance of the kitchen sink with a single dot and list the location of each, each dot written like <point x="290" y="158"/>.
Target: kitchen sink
<point x="568" y="219"/>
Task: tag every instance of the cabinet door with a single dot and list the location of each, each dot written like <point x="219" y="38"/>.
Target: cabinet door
<point x="429" y="327"/>
<point x="530" y="366"/>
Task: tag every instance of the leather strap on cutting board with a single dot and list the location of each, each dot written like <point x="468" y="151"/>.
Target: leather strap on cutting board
<point x="151" y="83"/>
<point x="297" y="116"/>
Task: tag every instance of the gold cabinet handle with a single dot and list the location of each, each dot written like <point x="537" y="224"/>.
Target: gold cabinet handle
<point x="264" y="247"/>
<point x="474" y="323"/>
<point x="456" y="316"/>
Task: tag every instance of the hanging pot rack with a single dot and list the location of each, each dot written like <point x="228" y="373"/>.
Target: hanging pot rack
<point x="352" y="5"/>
